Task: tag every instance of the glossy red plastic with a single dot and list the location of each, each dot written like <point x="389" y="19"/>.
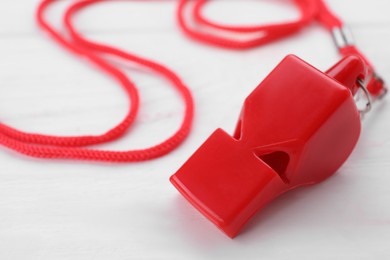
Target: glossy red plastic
<point x="296" y="128"/>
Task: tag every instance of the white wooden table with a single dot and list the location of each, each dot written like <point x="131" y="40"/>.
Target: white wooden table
<point x="78" y="210"/>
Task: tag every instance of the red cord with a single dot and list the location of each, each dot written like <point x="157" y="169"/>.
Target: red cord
<point x="45" y="146"/>
<point x="311" y="10"/>
<point x="72" y="147"/>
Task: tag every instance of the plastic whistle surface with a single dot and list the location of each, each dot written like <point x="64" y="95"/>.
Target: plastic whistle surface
<point x="296" y="128"/>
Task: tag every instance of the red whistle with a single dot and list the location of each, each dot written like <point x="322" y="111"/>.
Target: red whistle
<point x="296" y="128"/>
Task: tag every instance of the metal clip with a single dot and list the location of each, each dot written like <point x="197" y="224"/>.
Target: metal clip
<point x="343" y="37"/>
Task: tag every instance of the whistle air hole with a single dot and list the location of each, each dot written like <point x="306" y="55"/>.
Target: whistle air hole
<point x="278" y="161"/>
<point x="237" y="132"/>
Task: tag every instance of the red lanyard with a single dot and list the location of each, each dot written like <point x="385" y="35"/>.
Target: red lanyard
<point x="74" y="147"/>
<point x="311" y="10"/>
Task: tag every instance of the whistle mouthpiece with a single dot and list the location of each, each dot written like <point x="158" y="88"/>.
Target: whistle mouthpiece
<point x="296" y="128"/>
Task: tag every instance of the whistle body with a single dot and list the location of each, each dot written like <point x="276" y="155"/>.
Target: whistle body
<point x="296" y="128"/>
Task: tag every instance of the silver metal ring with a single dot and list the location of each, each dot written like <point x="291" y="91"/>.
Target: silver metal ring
<point x="368" y="97"/>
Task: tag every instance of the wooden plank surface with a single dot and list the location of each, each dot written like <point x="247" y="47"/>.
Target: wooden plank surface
<point x="77" y="210"/>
